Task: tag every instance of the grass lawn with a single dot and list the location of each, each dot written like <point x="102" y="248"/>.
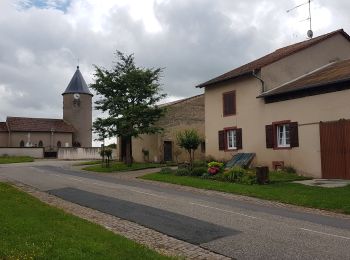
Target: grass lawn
<point x="280" y="189"/>
<point x="31" y="229"/>
<point x="15" y="159"/>
<point x="94" y="162"/>
<point x="119" y="167"/>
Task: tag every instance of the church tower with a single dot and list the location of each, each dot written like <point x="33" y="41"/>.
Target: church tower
<point x="77" y="109"/>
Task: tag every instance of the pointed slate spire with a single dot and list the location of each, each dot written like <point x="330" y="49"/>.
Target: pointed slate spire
<point x="77" y="84"/>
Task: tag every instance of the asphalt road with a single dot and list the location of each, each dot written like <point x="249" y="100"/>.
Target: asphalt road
<point x="234" y="227"/>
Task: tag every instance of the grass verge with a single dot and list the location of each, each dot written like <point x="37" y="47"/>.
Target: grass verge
<point x="119" y="167"/>
<point x="94" y="162"/>
<point x="31" y="229"/>
<point x="15" y="159"/>
<point x="280" y="189"/>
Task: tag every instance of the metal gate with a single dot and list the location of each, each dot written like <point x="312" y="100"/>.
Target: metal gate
<point x="335" y="149"/>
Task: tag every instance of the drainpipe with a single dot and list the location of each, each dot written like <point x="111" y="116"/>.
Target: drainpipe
<point x="260" y="79"/>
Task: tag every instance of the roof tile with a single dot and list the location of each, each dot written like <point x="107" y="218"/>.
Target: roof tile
<point x="25" y="124"/>
<point x="271" y="58"/>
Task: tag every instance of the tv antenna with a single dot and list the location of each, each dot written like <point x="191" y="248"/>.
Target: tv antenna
<point x="309" y="33"/>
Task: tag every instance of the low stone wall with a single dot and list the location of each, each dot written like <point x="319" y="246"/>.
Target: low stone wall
<point x="81" y="153"/>
<point x="35" y="152"/>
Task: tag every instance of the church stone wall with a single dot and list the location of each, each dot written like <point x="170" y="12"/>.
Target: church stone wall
<point x="4" y="139"/>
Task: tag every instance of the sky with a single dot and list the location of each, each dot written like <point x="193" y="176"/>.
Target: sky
<point x="193" y="40"/>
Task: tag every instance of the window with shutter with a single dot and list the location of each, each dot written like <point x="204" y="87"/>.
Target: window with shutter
<point x="229" y="103"/>
<point x="294" y="135"/>
<point x="221" y="136"/>
<point x="239" y="138"/>
<point x="269" y="136"/>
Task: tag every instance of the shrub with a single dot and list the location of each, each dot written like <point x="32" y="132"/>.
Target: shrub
<point x="240" y="175"/>
<point x="206" y="176"/>
<point x="183" y="172"/>
<point x="199" y="163"/>
<point x="166" y="170"/>
<point x="289" y="169"/>
<point x="199" y="171"/>
<point x="215" y="167"/>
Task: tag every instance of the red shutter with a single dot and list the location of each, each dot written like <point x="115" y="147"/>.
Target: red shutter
<point x="293" y="134"/>
<point x="229" y="105"/>
<point x="221" y="140"/>
<point x="269" y="136"/>
<point x="239" y="138"/>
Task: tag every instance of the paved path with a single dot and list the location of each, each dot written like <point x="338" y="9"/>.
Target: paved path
<point x="234" y="226"/>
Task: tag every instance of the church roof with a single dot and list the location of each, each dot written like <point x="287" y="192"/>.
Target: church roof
<point x="77" y="84"/>
<point x="26" y="124"/>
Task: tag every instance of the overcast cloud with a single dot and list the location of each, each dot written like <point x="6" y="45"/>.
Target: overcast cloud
<point x="194" y="40"/>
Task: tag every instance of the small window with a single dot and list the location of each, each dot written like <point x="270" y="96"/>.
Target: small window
<point x="21" y="144"/>
<point x="40" y="144"/>
<point x="231" y="139"/>
<point x="283" y="135"/>
<point x="229" y="103"/>
<point x="59" y="144"/>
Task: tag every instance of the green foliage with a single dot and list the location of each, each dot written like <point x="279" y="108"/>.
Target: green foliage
<point x="282" y="191"/>
<point x="166" y="170"/>
<point x="240" y="175"/>
<point x="199" y="163"/>
<point x="120" y="167"/>
<point x="31" y="229"/>
<point x="289" y="169"/>
<point x="129" y="95"/>
<point x="112" y="146"/>
<point x="189" y="140"/>
<point x="216" y="164"/>
<point x="183" y="172"/>
<point x="15" y="159"/>
<point x="199" y="171"/>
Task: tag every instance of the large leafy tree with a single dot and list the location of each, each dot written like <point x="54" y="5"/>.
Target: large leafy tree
<point x="129" y="95"/>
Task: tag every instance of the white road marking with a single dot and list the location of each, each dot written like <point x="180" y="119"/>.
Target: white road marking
<point x="322" y="233"/>
<point x="223" y="210"/>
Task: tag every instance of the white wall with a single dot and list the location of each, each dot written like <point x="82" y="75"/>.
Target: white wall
<point x="81" y="153"/>
<point x="34" y="152"/>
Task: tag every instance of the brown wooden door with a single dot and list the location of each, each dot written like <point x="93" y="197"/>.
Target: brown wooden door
<point x="335" y="149"/>
<point x="168" y="151"/>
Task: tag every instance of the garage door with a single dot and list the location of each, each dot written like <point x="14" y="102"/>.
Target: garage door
<point x="335" y="149"/>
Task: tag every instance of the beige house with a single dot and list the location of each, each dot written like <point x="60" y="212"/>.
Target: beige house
<point x="75" y="129"/>
<point x="182" y="114"/>
<point x="285" y="107"/>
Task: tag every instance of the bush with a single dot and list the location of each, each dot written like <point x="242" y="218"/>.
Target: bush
<point x="206" y="176"/>
<point x="289" y="169"/>
<point x="215" y="167"/>
<point x="183" y="172"/>
<point x="166" y="170"/>
<point x="199" y="163"/>
<point x="240" y="175"/>
<point x="199" y="171"/>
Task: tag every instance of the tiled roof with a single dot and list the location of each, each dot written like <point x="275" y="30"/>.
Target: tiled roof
<point x="271" y="58"/>
<point x="329" y="74"/>
<point x="3" y="127"/>
<point x="180" y="101"/>
<point x="25" y="124"/>
<point x="77" y="84"/>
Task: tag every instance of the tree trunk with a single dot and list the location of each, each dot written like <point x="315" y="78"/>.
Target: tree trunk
<point x="128" y="157"/>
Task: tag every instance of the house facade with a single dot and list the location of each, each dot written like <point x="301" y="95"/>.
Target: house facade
<point x="75" y="129"/>
<point x="182" y="114"/>
<point x="285" y="107"/>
